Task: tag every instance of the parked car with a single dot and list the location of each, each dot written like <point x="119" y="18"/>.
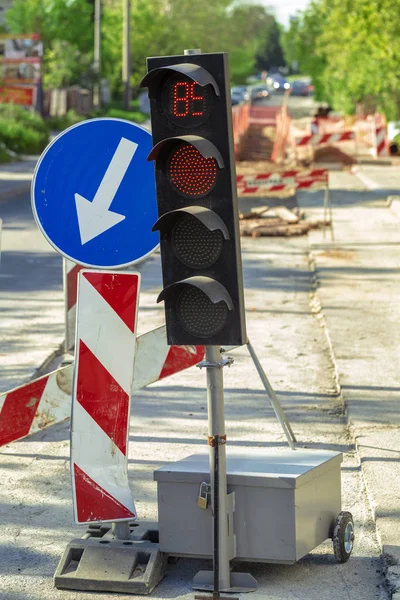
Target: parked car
<point x="239" y="93"/>
<point x="259" y="92"/>
<point x="302" y="88"/>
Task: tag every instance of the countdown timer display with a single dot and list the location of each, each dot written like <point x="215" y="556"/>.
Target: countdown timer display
<point x="185" y="102"/>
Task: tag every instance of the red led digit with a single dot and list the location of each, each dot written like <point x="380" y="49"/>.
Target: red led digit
<point x="185" y="99"/>
<point x="185" y="102"/>
<point x="194" y="98"/>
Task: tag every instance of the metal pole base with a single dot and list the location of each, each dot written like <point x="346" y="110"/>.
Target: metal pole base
<point x="239" y="582"/>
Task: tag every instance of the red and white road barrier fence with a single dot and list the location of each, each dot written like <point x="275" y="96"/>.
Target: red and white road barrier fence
<point x="272" y="182"/>
<point x="105" y="353"/>
<point x="46" y="401"/>
<point x="318" y="139"/>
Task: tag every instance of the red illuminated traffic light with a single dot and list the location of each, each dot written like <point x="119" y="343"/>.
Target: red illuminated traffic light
<point x="191" y="121"/>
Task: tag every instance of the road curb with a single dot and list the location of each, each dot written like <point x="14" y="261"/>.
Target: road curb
<point x="390" y="553"/>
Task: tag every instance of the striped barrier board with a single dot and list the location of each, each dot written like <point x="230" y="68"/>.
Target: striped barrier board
<point x="382" y="146"/>
<point x="317" y="139"/>
<point x="46" y="401"/>
<point x="311" y="179"/>
<point x="71" y="272"/>
<point x="105" y="351"/>
<point x="273" y="182"/>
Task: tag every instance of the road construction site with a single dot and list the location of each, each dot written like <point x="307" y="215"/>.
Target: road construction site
<point x="323" y="318"/>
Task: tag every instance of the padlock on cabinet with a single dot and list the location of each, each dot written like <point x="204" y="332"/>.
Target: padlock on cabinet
<point x="204" y="493"/>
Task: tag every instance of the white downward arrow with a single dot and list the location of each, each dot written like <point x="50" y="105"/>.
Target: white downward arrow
<point x="95" y="217"/>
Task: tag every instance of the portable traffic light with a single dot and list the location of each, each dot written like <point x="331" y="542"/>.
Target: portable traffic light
<point x="191" y="120"/>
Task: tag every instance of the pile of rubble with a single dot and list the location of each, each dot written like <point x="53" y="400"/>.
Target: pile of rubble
<point x="277" y="221"/>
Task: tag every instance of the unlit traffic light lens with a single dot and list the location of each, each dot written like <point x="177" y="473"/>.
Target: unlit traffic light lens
<point x="190" y="173"/>
<point x="195" y="245"/>
<point x="199" y="315"/>
<point x="185" y="102"/>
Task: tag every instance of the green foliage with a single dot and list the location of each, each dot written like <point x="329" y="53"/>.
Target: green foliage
<point x="29" y="119"/>
<point x="5" y="155"/>
<point x="351" y="48"/>
<point x="127" y="115"/>
<point x="66" y="65"/>
<point x="61" y="123"/>
<point x="21" y="131"/>
<point x="21" y="139"/>
<point x="159" y="27"/>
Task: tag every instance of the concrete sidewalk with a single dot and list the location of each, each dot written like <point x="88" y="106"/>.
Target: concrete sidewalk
<point x="358" y="280"/>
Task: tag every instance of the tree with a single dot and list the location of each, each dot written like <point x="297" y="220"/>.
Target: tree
<point x="351" y="48"/>
<point x="159" y="27"/>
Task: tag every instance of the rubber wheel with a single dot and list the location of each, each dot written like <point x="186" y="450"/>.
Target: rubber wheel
<point x="343" y="537"/>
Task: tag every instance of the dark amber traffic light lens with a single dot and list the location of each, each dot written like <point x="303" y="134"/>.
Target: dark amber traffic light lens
<point x="194" y="244"/>
<point x="199" y="315"/>
<point x="190" y="173"/>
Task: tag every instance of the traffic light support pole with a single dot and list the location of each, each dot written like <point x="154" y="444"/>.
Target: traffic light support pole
<point x="220" y="579"/>
<point x="216" y="434"/>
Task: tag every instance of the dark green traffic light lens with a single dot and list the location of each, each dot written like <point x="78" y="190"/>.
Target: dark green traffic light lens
<point x="199" y="316"/>
<point x="195" y="245"/>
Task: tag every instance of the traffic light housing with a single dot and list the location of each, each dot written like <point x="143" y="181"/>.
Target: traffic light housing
<point x="191" y="118"/>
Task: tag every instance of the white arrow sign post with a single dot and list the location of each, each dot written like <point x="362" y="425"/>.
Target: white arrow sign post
<point x="95" y="217"/>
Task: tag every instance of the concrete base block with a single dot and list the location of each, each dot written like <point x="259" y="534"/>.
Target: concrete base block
<point x="100" y="563"/>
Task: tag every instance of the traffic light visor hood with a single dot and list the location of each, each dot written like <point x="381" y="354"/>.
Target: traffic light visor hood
<point x="210" y="287"/>
<point x="195" y="72"/>
<point x="206" y="148"/>
<point x="207" y="217"/>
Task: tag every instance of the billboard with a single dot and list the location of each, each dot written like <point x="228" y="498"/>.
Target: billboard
<point x="20" y="67"/>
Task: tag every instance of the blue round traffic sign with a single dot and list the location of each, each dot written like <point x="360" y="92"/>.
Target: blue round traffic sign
<point x="93" y="194"/>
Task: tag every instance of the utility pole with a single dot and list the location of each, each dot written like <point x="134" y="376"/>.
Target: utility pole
<point x="97" y="53"/>
<point x="126" y="55"/>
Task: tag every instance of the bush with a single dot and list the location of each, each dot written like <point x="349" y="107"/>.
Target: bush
<point x="127" y="115"/>
<point x="61" y="123"/>
<point x="21" y="132"/>
<point x="5" y="155"/>
<point x="21" y="139"/>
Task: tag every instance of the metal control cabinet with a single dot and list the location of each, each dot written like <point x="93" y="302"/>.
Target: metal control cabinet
<point x="285" y="503"/>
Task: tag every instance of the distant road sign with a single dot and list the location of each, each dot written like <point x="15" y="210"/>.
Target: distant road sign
<point x="93" y="194"/>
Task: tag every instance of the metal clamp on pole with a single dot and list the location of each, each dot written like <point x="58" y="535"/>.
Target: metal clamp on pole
<point x="223" y="362"/>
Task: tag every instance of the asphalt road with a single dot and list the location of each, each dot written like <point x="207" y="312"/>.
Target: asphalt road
<point x="298" y="106"/>
<point x="169" y="419"/>
<point x="31" y="297"/>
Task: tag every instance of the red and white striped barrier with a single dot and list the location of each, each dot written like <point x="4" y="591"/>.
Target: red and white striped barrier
<point x="382" y="142"/>
<point x="317" y="139"/>
<point x="272" y="182"/>
<point x="71" y="272"/>
<point x="47" y="400"/>
<point x="105" y="351"/>
<point x="312" y="179"/>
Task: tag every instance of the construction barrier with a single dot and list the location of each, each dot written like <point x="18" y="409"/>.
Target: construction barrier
<point x="105" y="354"/>
<point x="46" y="401"/>
<point x="273" y="182"/>
<point x="240" y="121"/>
<point x="71" y="272"/>
<point x="318" y="139"/>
